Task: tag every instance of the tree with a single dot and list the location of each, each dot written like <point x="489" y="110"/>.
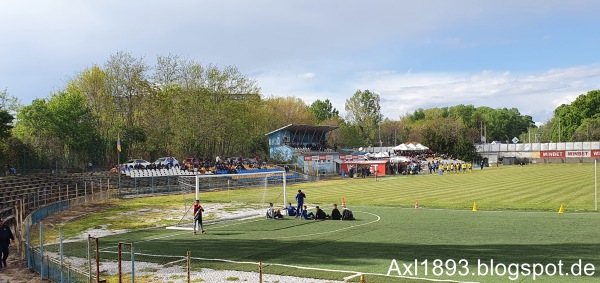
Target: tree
<point x="127" y="83"/>
<point x="9" y="103"/>
<point x="61" y="128"/>
<point x="323" y="110"/>
<point x="287" y="110"/>
<point x="364" y="112"/>
<point x="589" y="130"/>
<point x="568" y="118"/>
<point x="5" y="123"/>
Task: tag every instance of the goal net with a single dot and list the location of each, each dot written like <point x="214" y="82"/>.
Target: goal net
<point x="232" y="197"/>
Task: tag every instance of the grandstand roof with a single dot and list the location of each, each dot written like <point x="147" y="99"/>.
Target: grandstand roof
<point x="305" y="128"/>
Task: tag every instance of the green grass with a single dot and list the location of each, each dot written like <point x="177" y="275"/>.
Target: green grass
<point x="516" y="223"/>
<point x="535" y="187"/>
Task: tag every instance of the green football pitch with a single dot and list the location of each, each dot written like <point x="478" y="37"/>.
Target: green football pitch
<point x="516" y="232"/>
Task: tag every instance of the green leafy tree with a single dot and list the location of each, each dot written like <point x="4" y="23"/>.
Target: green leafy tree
<point x="589" y="130"/>
<point x="363" y="111"/>
<point x="9" y="103"/>
<point x="323" y="110"/>
<point x="5" y="124"/>
<point x="568" y="118"/>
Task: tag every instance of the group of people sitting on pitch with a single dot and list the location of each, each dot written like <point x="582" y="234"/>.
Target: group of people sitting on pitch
<point x="304" y="214"/>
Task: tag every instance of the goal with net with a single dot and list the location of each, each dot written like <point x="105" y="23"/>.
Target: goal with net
<point x="243" y="195"/>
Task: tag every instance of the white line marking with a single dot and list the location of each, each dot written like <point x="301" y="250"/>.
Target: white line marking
<point x="329" y="232"/>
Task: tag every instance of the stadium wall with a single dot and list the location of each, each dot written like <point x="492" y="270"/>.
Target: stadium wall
<point x="566" y="152"/>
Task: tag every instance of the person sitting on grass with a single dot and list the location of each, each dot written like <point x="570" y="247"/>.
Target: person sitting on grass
<point x="307" y="215"/>
<point x="335" y="213"/>
<point x="347" y="214"/>
<point x="272" y="213"/>
<point x="320" y="214"/>
<point x="291" y="210"/>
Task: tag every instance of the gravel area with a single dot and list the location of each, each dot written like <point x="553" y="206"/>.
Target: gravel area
<point x="153" y="272"/>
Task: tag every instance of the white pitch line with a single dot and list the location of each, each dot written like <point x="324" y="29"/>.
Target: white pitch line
<point x="329" y="232"/>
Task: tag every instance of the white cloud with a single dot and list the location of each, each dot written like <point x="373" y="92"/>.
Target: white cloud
<point x="535" y="94"/>
<point x="307" y="76"/>
<point x="289" y="42"/>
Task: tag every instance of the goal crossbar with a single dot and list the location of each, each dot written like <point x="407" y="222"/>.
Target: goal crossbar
<point x="241" y="175"/>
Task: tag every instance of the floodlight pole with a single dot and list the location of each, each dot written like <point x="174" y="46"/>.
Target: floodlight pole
<point x="596" y="184"/>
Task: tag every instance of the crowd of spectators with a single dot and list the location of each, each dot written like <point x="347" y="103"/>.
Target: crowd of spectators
<point x="321" y="146"/>
<point x="206" y="166"/>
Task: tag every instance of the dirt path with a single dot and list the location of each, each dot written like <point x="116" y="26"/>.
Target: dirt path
<point x="17" y="271"/>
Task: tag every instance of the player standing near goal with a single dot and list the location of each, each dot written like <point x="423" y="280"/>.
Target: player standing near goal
<point x="198" y="217"/>
<point x="300" y="198"/>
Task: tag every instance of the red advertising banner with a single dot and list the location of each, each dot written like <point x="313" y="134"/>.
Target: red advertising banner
<point x="595" y="153"/>
<point x="342" y="157"/>
<point x="552" y="154"/>
<point x="307" y="158"/>
<point x="322" y="157"/>
<point x="578" y="153"/>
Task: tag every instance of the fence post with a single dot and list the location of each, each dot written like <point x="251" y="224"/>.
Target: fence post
<point x="41" y="249"/>
<point x="89" y="260"/>
<point x="48" y="262"/>
<point x="97" y="262"/>
<point x="132" y="265"/>
<point x="16" y="224"/>
<point x="260" y="272"/>
<point x="188" y="267"/>
<point x="60" y="237"/>
<point x="119" y="262"/>
<point x="28" y="245"/>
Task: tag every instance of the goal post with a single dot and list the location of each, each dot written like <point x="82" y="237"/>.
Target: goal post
<point x="227" y="197"/>
<point x="243" y="176"/>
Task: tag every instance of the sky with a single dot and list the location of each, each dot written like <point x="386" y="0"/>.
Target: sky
<point x="531" y="55"/>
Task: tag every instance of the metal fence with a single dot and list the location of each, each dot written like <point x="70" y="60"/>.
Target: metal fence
<point x="43" y="252"/>
<point x="42" y="246"/>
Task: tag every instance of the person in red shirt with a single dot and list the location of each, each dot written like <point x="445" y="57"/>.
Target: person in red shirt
<point x="198" y="217"/>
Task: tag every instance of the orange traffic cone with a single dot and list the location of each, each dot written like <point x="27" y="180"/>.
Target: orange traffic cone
<point x="343" y="201"/>
<point x="561" y="210"/>
<point x="416" y="204"/>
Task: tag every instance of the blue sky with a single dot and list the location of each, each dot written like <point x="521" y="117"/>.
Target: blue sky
<point x="531" y="55"/>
